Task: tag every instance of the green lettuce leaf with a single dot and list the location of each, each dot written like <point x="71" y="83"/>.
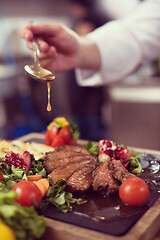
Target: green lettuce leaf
<point x="92" y="148"/>
<point x="11" y="176"/>
<point x="25" y="221"/>
<point x="60" y="198"/>
<point x="37" y="167"/>
<point x="134" y="164"/>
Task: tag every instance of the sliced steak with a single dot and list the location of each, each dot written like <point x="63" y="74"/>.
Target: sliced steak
<point x="82" y="179"/>
<point x="63" y="155"/>
<point x="62" y="162"/>
<point x="67" y="171"/>
<point x="103" y="181"/>
<point x="61" y="151"/>
<point x="119" y="172"/>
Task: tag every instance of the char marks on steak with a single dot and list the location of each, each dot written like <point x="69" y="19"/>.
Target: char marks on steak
<point x="61" y="162"/>
<point x="63" y="155"/>
<point x="67" y="171"/>
<point x="103" y="181"/>
<point x="82" y="179"/>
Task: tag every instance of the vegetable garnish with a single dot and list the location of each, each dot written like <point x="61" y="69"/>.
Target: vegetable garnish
<point x="24" y="221"/>
<point x="11" y="176"/>
<point x="43" y="185"/>
<point x="92" y="148"/>
<point x="134" y="191"/>
<point x="61" y="132"/>
<point x="134" y="164"/>
<point x="35" y="177"/>
<point x="59" y="122"/>
<point x="107" y="149"/>
<point x="21" y="160"/>
<point x="60" y="198"/>
<point x="37" y="167"/>
<point x="28" y="193"/>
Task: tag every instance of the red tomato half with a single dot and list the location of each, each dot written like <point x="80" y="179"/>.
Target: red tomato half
<point x="58" y="141"/>
<point x="65" y="133"/>
<point x="29" y="194"/>
<point x="134" y="191"/>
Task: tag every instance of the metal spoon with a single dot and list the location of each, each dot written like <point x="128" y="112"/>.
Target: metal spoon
<point x="36" y="71"/>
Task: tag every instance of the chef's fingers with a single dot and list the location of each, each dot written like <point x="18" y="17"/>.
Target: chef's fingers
<point x="29" y="45"/>
<point x="45" y="29"/>
<point x="43" y="45"/>
<point x="26" y="34"/>
<point x="47" y="63"/>
<point x="51" y="53"/>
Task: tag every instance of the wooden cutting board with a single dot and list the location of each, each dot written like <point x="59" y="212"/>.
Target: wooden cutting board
<point x="145" y="229"/>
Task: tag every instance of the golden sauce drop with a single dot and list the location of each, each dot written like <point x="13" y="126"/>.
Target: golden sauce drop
<point x="49" y="108"/>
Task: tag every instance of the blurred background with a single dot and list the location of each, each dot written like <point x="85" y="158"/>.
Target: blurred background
<point x="127" y="112"/>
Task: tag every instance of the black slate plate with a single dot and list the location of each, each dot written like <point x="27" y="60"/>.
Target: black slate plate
<point x="110" y="215"/>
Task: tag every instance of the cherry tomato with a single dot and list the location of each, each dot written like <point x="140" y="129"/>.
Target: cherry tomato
<point x="29" y="194"/>
<point x="1" y="177"/>
<point x="65" y="133"/>
<point x="58" y="141"/>
<point x="134" y="191"/>
<point x="47" y="139"/>
<point x="53" y="132"/>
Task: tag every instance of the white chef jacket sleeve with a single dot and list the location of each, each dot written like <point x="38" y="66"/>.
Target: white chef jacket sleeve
<point x="125" y="44"/>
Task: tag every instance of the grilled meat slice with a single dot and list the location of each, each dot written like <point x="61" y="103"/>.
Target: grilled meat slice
<point x="103" y="181"/>
<point x="73" y="148"/>
<point x="82" y="179"/>
<point x="61" y="162"/>
<point x="67" y="171"/>
<point x="119" y="172"/>
<point x="63" y="155"/>
<point x="61" y="151"/>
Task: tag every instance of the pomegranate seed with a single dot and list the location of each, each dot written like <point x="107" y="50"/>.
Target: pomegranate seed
<point x="113" y="151"/>
<point x="18" y="160"/>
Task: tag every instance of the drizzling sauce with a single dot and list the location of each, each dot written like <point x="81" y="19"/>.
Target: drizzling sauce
<point x="41" y="74"/>
<point x="49" y="108"/>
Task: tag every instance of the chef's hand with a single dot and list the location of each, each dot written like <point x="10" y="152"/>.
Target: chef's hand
<point x="61" y="48"/>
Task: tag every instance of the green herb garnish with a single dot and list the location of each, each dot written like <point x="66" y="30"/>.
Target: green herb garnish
<point x="134" y="164"/>
<point x="11" y="176"/>
<point x="92" y="148"/>
<point x="60" y="198"/>
<point x="37" y="167"/>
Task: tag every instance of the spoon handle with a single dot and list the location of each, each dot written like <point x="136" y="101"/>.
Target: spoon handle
<point x="36" y="53"/>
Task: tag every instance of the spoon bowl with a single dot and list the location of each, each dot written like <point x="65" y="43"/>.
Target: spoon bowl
<point x="39" y="73"/>
<point x="36" y="71"/>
